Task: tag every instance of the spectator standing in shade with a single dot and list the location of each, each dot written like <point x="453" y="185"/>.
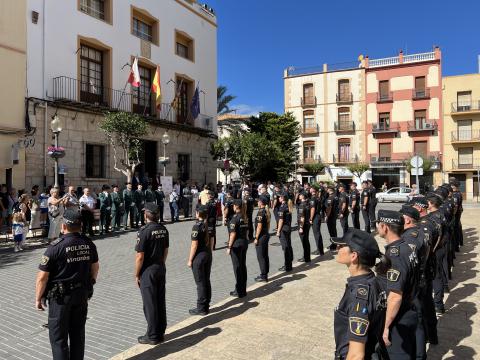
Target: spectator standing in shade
<point x="173" y="205"/>
<point x="55" y="214"/>
<point x="87" y="205"/>
<point x="3" y="206"/>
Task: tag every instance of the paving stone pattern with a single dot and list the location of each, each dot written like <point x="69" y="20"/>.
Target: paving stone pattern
<point x="115" y="318"/>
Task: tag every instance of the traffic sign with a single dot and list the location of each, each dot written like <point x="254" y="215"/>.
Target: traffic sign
<point x="420" y="171"/>
<point x="416" y="161"/>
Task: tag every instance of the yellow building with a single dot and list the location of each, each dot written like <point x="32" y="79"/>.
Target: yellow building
<point x="461" y="109"/>
<point x="13" y="44"/>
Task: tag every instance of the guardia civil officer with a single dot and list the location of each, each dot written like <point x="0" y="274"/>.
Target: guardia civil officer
<point x="331" y="212"/>
<point x="160" y="200"/>
<point x="358" y="318"/>
<point x="200" y="260"/>
<point x="139" y="199"/>
<point x="67" y="272"/>
<point x="152" y="250"/>
<point x="212" y="218"/>
<point x="117" y="207"/>
<point x="129" y="206"/>
<point x="354" y="205"/>
<point x="237" y="248"/>
<point x="401" y="286"/>
<point x="284" y="230"/>
<point x="315" y="219"/>
<point x="304" y="226"/>
<point x="343" y="207"/>
<point x="365" y="201"/>
<point x="262" y="237"/>
<point x="105" y="209"/>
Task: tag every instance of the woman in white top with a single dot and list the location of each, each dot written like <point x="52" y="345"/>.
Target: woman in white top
<point x="55" y="214"/>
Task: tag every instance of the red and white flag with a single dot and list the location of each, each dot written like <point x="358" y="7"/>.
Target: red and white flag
<point x="134" y="77"/>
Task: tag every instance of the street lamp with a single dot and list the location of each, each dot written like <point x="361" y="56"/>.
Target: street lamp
<point x="226" y="147"/>
<point x="164" y="160"/>
<point x="56" y="126"/>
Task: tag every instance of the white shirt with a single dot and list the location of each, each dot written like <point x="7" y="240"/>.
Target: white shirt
<point x="89" y="201"/>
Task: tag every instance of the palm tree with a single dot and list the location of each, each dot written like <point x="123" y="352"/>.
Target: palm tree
<point x="223" y="100"/>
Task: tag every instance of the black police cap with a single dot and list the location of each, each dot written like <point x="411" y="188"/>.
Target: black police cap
<point x="410" y="211"/>
<point x="72" y="217"/>
<point x="238" y="202"/>
<point x="263" y="199"/>
<point x="447" y="186"/>
<point x="420" y="201"/>
<point x="359" y="241"/>
<point x="151" y="208"/>
<point x="390" y="217"/>
<point x="442" y="192"/>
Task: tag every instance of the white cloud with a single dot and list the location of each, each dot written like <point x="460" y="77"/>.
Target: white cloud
<point x="244" y="109"/>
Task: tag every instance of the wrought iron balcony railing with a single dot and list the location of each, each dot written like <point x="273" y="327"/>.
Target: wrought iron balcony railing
<point x="419" y="94"/>
<point x="344" y="126"/>
<point x="344" y="97"/>
<point x="466" y="106"/>
<point x="466" y="136"/>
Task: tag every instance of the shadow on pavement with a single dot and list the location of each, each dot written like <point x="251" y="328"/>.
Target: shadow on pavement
<point x="456" y="324"/>
<point x="182" y="338"/>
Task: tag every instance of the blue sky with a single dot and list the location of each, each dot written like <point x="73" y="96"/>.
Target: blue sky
<point x="258" y="39"/>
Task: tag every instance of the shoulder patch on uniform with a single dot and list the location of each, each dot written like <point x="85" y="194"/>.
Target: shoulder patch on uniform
<point x="194" y="234"/>
<point x="393" y="275"/>
<point x="232" y="226"/>
<point x="55" y="242"/>
<point x="413" y="247"/>
<point x="362" y="292"/>
<point x="44" y="260"/>
<point x="394" y="251"/>
<point x="358" y="326"/>
<point x="423" y="221"/>
<point x="414" y="233"/>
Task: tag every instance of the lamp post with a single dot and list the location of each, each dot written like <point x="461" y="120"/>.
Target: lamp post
<point x="165" y="142"/>
<point x="226" y="147"/>
<point x="56" y="126"/>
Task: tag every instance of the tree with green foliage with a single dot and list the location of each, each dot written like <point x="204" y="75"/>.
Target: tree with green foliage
<point x="314" y="168"/>
<point x="358" y="169"/>
<point x="123" y="131"/>
<point x="223" y="100"/>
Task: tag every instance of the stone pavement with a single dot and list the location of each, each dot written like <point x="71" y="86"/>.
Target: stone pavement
<point x="291" y="317"/>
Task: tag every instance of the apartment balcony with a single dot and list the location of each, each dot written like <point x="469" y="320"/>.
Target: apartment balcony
<point x="420" y="94"/>
<point x="385" y="129"/>
<point x="344" y="127"/>
<point x="386" y="162"/>
<point x="421" y="127"/>
<point x="311" y="130"/>
<point x="465" y="136"/>
<point x="309" y="101"/>
<point x="344" y="158"/>
<point x="466" y="108"/>
<point x="472" y="165"/>
<point x="385" y="98"/>
<point x="344" y="98"/>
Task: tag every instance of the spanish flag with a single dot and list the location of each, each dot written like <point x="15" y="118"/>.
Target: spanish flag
<point x="156" y="88"/>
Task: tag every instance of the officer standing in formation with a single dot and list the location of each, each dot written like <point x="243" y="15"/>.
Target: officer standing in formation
<point x="117" y="202"/>
<point x="330" y="212"/>
<point x="152" y="250"/>
<point x="315" y="219"/>
<point x="343" y="208"/>
<point x="365" y="201"/>
<point x="354" y="205"/>
<point x="160" y="198"/>
<point x="139" y="199"/>
<point x="284" y="231"/>
<point x="304" y="226"/>
<point x="358" y="317"/>
<point x="250" y="204"/>
<point x="262" y="237"/>
<point x="200" y="260"/>
<point x="212" y="218"/>
<point x="237" y="248"/>
<point x="372" y="203"/>
<point x="105" y="209"/>
<point x="129" y="206"/>
<point x="67" y="272"/>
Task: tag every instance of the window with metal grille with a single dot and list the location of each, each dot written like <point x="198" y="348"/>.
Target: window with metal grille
<point x="464" y="100"/>
<point x="95" y="8"/>
<point x="95" y="161"/>
<point x="142" y="98"/>
<point x="142" y="30"/>
<point x="91" y="75"/>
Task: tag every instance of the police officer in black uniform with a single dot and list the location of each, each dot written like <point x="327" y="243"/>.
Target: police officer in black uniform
<point x="67" y="272"/>
<point x="212" y="218"/>
<point x="458" y="200"/>
<point x="372" y="203"/>
<point x="331" y="212"/>
<point x="262" y="237"/>
<point x="276" y="203"/>
<point x="365" y="204"/>
<point x="160" y="200"/>
<point x="354" y="205"/>
<point x="343" y="207"/>
<point x="284" y="231"/>
<point x="358" y="317"/>
<point x="237" y="248"/>
<point x="304" y="226"/>
<point x="228" y="211"/>
<point x="315" y="219"/>
<point x="401" y="286"/>
<point x="200" y="260"/>
<point x="250" y="204"/>
<point x="152" y="250"/>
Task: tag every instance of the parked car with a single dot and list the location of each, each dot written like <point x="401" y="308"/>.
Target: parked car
<point x="400" y="194"/>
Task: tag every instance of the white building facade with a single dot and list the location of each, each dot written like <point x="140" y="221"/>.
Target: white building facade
<point x="329" y="104"/>
<point x="79" y="55"/>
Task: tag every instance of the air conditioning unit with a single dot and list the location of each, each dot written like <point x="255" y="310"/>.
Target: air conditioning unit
<point x="428" y="126"/>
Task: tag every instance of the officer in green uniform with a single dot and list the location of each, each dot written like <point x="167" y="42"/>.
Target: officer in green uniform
<point x="150" y="197"/>
<point x="117" y="205"/>
<point x="105" y="209"/>
<point x="139" y="200"/>
<point x="160" y="198"/>
<point x="129" y="206"/>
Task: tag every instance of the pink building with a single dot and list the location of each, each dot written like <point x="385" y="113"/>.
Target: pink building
<point x="404" y="117"/>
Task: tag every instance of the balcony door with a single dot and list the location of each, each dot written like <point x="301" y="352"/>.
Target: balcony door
<point x="383" y="90"/>
<point x="465" y="158"/>
<point x="91" y="75"/>
<point x="308" y="95"/>
<point x="344" y="150"/>
<point x="420" y="119"/>
<point x="344" y="118"/>
<point x="344" y="90"/>
<point x="420" y="87"/>
<point x="385" y="152"/>
<point x="308" y="151"/>
<point x="384" y="121"/>
<point x="183" y="100"/>
<point x="464" y="100"/>
<point x="464" y="129"/>
<point x="420" y="148"/>
<point x="142" y="95"/>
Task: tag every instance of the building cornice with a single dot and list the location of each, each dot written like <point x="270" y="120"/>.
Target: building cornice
<point x="189" y="7"/>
